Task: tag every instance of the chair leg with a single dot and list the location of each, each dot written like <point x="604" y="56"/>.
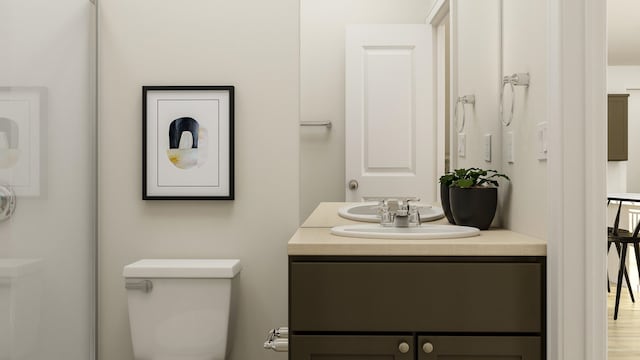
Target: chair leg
<point x="623" y="258"/>
<point x="608" y="281"/>
<point x="626" y="273"/>
<point x="636" y="249"/>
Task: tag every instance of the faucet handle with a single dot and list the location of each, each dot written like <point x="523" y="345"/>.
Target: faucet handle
<point x="385" y="215"/>
<point x="414" y="215"/>
<point x="393" y="205"/>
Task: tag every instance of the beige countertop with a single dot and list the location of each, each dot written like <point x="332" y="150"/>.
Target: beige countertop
<point x="314" y="238"/>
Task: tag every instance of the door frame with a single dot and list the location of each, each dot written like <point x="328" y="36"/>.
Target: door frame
<point x="576" y="175"/>
<point x="577" y="58"/>
<point x="441" y="11"/>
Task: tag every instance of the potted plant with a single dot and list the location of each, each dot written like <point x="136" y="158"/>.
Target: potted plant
<point x="446" y="181"/>
<point x="473" y="196"/>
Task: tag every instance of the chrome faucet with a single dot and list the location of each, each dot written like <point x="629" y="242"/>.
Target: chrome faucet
<point x="399" y="212"/>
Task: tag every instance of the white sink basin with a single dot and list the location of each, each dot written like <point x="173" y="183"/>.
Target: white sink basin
<point x="368" y="212"/>
<point x="423" y="232"/>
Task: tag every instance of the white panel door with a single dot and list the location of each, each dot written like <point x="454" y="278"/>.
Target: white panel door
<point x="389" y="121"/>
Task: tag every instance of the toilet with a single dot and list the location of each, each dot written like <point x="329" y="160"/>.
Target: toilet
<point x="20" y="303"/>
<point x="179" y="309"/>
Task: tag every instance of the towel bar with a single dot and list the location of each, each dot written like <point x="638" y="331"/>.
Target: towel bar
<point x="327" y="124"/>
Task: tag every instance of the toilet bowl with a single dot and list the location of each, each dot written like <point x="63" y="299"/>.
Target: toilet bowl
<point x="179" y="309"/>
<point x="20" y="296"/>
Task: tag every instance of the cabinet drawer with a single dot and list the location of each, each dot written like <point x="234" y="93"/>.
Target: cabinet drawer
<point x="416" y="296"/>
<point x="479" y="347"/>
<point x="350" y="347"/>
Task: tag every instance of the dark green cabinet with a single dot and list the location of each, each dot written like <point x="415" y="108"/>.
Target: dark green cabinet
<point x="374" y="308"/>
<point x="617" y="127"/>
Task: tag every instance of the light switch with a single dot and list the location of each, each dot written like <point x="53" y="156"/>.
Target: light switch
<point x="487" y="147"/>
<point x="462" y="145"/>
<point x="510" y="148"/>
<point x="542" y="139"/>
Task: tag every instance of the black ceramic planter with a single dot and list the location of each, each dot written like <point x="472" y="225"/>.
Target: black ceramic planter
<point x="444" y="199"/>
<point x="473" y="206"/>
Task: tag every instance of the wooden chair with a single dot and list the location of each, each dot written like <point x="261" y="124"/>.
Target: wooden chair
<point x="622" y="238"/>
<point x="610" y="231"/>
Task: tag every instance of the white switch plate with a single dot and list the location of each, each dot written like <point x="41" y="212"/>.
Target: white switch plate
<point x="542" y="140"/>
<point x="510" y="148"/>
<point x="487" y="147"/>
<point x="462" y="145"/>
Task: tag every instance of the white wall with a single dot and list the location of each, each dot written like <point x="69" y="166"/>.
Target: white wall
<point x="616" y="176"/>
<point x="477" y="49"/>
<point x="51" y="45"/>
<point x="252" y="45"/>
<point x="322" y="24"/>
<point x="476" y="71"/>
<point x="625" y="175"/>
<point x="522" y="203"/>
<point x="525" y="50"/>
<point x="623" y="28"/>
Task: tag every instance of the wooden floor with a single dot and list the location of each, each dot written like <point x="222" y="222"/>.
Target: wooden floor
<point x="624" y="333"/>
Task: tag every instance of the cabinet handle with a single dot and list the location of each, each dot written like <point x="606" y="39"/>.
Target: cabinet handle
<point x="403" y="347"/>
<point x="427" y="347"/>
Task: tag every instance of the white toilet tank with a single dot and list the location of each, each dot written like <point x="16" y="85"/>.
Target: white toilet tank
<point x="179" y="309"/>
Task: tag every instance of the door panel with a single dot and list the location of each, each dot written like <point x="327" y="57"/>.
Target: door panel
<point x="388" y="76"/>
<point x="348" y="347"/>
<point x="390" y="127"/>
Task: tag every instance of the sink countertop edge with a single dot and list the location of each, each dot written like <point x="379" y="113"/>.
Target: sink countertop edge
<point x="500" y="242"/>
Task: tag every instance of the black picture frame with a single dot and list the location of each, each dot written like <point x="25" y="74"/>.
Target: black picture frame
<point x="188" y="142"/>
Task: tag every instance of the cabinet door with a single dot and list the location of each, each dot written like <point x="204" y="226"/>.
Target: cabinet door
<point x="618" y="127"/>
<point x="479" y="348"/>
<point x="351" y="347"/>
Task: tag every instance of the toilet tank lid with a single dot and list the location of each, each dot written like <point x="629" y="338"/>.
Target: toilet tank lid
<point x="183" y="268"/>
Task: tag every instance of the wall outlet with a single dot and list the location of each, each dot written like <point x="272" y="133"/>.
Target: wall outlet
<point x="510" y="148"/>
<point x="542" y="140"/>
<point x="462" y="145"/>
<point x="487" y="148"/>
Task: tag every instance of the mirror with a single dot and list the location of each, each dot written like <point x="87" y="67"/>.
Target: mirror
<point x="322" y="86"/>
<point x="482" y="52"/>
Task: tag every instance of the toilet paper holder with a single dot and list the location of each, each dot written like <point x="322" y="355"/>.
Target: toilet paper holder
<point x="277" y="340"/>
<point x="7" y="202"/>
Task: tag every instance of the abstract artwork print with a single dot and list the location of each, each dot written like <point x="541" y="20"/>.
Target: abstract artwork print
<point x="187" y="143"/>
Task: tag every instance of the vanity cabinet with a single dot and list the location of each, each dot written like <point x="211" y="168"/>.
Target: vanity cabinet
<point x="384" y="307"/>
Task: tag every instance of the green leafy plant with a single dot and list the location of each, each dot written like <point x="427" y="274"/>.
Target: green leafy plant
<point x="472" y="177"/>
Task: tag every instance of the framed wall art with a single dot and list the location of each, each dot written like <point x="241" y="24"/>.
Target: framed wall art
<point x="22" y="112"/>
<point x="187" y="142"/>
